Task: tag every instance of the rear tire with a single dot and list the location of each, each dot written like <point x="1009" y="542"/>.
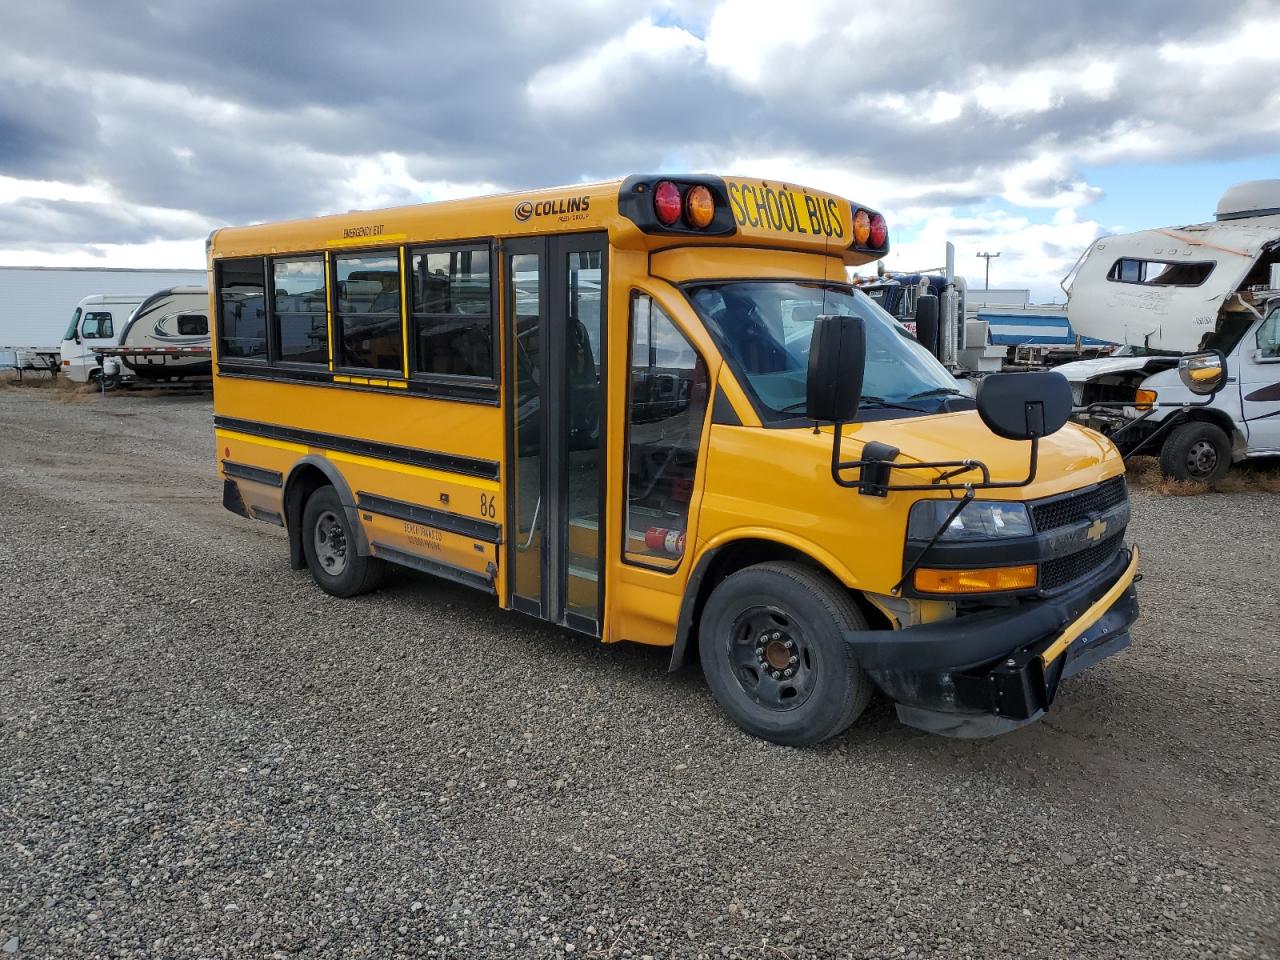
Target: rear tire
<point x="1197" y="451"/>
<point x="330" y="548"/>
<point x="774" y="655"/>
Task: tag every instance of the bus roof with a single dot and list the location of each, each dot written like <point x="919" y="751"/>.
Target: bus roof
<point x="746" y="212"/>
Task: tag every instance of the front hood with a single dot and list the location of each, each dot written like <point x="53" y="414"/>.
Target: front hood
<point x="1071" y="458"/>
<point x="1080" y="370"/>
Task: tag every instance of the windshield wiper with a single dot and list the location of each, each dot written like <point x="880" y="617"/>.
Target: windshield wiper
<point x="935" y="392"/>
<point x="878" y="402"/>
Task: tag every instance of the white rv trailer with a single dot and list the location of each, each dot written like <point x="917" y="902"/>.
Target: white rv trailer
<point x="1175" y="291"/>
<point x="165" y="339"/>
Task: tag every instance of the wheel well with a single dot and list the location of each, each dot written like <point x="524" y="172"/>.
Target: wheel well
<point x="728" y="560"/>
<point x="303" y="482"/>
<point x="1219" y="418"/>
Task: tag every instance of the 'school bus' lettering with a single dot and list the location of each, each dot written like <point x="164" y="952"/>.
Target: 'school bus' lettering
<point x="598" y="413"/>
<point x="783" y="209"/>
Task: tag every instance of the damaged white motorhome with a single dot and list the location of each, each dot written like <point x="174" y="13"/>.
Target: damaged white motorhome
<point x="1176" y="291"/>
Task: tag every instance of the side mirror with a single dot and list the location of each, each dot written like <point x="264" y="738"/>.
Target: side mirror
<point x="927" y="322"/>
<point x="1203" y="373"/>
<point x="1024" y="406"/>
<point x="837" y="355"/>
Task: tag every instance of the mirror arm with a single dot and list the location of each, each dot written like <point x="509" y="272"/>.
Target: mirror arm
<point x="953" y="467"/>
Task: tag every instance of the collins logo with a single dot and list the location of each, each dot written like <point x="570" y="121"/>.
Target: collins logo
<point x="566" y="208"/>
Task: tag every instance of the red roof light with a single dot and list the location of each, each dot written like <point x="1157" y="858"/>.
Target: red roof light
<point x="667" y="202"/>
<point x="879" y="231"/>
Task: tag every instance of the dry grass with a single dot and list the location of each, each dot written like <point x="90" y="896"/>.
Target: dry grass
<point x="31" y="380"/>
<point x="1263" y="477"/>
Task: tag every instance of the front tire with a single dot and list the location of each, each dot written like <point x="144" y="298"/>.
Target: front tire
<point x="1196" y="451"/>
<point x="330" y="547"/>
<point x="771" y="641"/>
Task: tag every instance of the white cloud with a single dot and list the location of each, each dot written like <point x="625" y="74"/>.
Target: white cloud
<point x="593" y="78"/>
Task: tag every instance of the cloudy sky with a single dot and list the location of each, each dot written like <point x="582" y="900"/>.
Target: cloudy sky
<point x="129" y="130"/>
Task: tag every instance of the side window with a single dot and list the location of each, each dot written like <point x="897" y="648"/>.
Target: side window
<point x="1159" y="273"/>
<point x="242" y="310"/>
<point x="98" y="326"/>
<point x="193" y="325"/>
<point x="1269" y="336"/>
<point x="298" y="310"/>
<point x="367" y="324"/>
<point x="452" y="324"/>
<point x="666" y="406"/>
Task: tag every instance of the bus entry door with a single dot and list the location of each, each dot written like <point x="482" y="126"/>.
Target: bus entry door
<point x="554" y="328"/>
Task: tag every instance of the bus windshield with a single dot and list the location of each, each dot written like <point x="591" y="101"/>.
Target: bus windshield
<point x="75" y="323"/>
<point x="764" y="328"/>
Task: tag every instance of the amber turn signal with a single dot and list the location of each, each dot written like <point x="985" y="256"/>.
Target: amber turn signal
<point x="861" y="227"/>
<point x="699" y="207"/>
<point x="982" y="580"/>
<point x="1144" y="399"/>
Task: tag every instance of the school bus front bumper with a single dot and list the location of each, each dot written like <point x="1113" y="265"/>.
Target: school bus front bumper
<point x="988" y="673"/>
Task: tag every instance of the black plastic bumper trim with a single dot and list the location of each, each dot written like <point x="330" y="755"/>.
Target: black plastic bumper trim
<point x="484" y="530"/>
<point x="448" y="462"/>
<point x="271" y="478"/>
<point x="446" y="571"/>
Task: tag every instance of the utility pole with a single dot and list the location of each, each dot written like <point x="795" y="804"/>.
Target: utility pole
<point x="988" y="257"/>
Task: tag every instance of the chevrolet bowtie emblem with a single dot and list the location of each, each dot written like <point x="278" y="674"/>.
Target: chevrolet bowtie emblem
<point x="1097" y="530"/>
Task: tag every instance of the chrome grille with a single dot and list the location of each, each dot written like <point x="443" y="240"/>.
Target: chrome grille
<point x="1078" y="505"/>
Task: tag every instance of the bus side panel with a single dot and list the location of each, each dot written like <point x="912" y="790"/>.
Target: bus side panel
<point x="446" y="426"/>
<point x="452" y="519"/>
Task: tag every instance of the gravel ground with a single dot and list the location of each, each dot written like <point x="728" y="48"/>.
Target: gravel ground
<point x="204" y="756"/>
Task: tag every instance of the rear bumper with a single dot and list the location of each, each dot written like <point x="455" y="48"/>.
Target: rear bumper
<point x="989" y="673"/>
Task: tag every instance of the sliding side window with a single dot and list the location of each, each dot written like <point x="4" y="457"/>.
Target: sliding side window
<point x="452" y="312"/>
<point x="242" y="310"/>
<point x="298" y="298"/>
<point x="368" y="326"/>
<point x="666" y="408"/>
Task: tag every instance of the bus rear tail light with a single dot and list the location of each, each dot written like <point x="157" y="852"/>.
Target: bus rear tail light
<point x="667" y="202"/>
<point x="699" y="207"/>
<point x="879" y="232"/>
<point x="861" y="227"/>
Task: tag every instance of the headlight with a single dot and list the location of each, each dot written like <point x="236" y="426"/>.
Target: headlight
<point x="980" y="520"/>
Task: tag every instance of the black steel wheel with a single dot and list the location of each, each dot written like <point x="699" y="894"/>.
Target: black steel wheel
<point x="771" y="642"/>
<point x="330" y="548"/>
<point x="1198" y="450"/>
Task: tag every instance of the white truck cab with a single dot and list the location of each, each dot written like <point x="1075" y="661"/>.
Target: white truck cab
<point x="1168" y="293"/>
<point x="98" y="321"/>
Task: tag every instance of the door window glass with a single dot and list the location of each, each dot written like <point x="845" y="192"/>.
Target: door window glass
<point x="369" y="311"/>
<point x="299" y="303"/>
<point x="531" y="515"/>
<point x="583" y="367"/>
<point x="666" y="408"/>
<point x="242" y="317"/>
<point x="1269" y="336"/>
<point x="98" y="326"/>
<point x="452" y="323"/>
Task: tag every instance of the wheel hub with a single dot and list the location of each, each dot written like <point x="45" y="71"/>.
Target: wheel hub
<point x="331" y="544"/>
<point x="769" y="660"/>
<point x="1202" y="458"/>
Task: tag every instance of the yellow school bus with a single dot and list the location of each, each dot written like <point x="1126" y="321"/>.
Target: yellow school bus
<point x="655" y="410"/>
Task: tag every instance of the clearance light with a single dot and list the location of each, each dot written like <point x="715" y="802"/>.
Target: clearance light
<point x="1144" y="399"/>
<point x="699" y="207"/>
<point x="988" y="580"/>
<point x="861" y="227"/>
<point x="667" y="203"/>
<point x="879" y="231"/>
